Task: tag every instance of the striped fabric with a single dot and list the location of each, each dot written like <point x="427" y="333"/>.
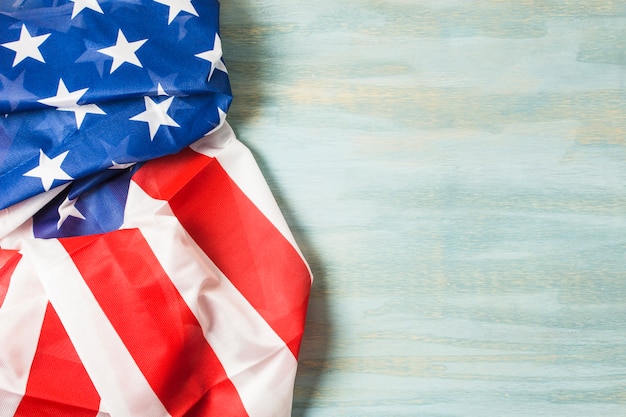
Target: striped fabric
<point x="194" y="307"/>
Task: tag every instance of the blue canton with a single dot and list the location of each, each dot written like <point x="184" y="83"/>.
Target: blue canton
<point x="88" y="88"/>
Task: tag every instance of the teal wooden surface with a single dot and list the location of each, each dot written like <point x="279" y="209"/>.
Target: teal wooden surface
<point x="455" y="174"/>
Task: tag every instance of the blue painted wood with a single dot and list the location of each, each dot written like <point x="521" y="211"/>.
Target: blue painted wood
<point x="455" y="173"/>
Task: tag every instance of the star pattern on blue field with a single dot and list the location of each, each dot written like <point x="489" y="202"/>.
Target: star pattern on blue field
<point x="27" y="46"/>
<point x="91" y="89"/>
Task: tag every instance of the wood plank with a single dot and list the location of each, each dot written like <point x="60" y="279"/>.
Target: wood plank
<point x="455" y="173"/>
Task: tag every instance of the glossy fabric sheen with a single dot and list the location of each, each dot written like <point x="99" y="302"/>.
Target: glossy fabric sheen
<point x="181" y="334"/>
<point x="145" y="268"/>
<point x="70" y="97"/>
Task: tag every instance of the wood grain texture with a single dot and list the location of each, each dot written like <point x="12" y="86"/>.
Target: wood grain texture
<point x="455" y="174"/>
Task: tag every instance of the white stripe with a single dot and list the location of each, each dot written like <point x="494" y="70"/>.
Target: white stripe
<point x="102" y="410"/>
<point x="238" y="162"/>
<point x="115" y="375"/>
<point x="260" y="365"/>
<point x="16" y="220"/>
<point x="21" y="318"/>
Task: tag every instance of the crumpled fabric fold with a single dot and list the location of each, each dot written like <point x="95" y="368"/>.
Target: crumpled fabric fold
<point x="145" y="268"/>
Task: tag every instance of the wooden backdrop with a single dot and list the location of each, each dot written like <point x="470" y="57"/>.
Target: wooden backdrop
<point x="454" y="171"/>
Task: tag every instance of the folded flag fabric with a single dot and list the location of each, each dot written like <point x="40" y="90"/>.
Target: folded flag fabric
<point x="145" y="268"/>
<point x="89" y="85"/>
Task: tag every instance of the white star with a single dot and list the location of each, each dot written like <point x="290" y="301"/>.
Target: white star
<point x="161" y="91"/>
<point x="66" y="209"/>
<point x="214" y="56"/>
<point x="49" y="170"/>
<point x="177" y="6"/>
<point x="115" y="165"/>
<point x="156" y="115"/>
<point x="80" y="5"/>
<point x="66" y="101"/>
<point x="26" y="46"/>
<point x="123" y="51"/>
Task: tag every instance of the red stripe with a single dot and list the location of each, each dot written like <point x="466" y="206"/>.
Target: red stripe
<point x="8" y="261"/>
<point x="217" y="403"/>
<point x="234" y="234"/>
<point x="58" y="384"/>
<point x="154" y="322"/>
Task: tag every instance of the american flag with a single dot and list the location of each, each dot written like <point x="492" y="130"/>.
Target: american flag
<point x="145" y="268"/>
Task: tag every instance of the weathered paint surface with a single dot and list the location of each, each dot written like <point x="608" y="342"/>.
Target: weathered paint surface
<point x="455" y="172"/>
